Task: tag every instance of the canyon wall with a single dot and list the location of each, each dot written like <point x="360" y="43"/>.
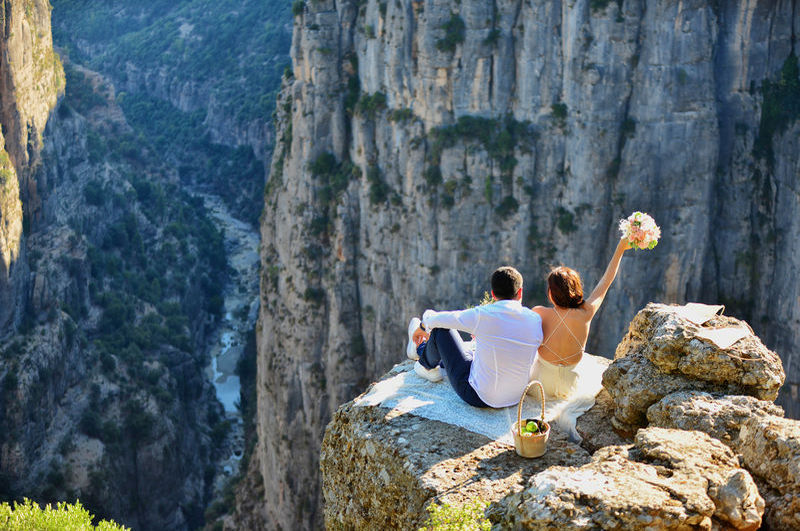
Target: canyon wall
<point x="31" y="78"/>
<point x="421" y="144"/>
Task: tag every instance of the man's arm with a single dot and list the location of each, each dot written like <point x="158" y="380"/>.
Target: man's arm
<point x="464" y="320"/>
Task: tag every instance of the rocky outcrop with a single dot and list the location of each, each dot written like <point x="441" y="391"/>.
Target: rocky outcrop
<point x="668" y="479"/>
<point x="422" y="144"/>
<point x="664" y="352"/>
<point x="31" y="77"/>
<point x="382" y="467"/>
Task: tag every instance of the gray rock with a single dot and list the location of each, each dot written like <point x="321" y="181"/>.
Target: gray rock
<point x="674" y="345"/>
<point x="720" y="416"/>
<point x="668" y="479"/>
<point x="770" y="448"/>
<point x="662" y="354"/>
<point x="595" y="425"/>
<point x="769" y="445"/>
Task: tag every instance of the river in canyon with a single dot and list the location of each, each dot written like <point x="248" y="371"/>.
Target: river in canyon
<point x="240" y="312"/>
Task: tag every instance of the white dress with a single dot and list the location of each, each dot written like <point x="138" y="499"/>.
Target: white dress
<point x="570" y="390"/>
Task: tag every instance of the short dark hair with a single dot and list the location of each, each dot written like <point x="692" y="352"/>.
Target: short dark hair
<point x="566" y="287"/>
<point x="506" y="282"/>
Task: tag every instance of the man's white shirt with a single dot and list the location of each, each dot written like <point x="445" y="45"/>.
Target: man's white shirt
<point x="507" y="336"/>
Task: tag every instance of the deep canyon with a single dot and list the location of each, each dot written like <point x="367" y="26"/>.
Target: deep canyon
<point x="410" y="147"/>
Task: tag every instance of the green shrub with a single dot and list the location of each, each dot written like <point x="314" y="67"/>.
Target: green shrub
<point x="493" y="37"/>
<point x="333" y="176"/>
<point x="93" y="192"/>
<point x="559" y="113"/>
<point x="566" y="221"/>
<point x="314" y="295"/>
<point x="454" y="32"/>
<point x="401" y="115"/>
<point x="298" y="6"/>
<point x="370" y="104"/>
<point x="91" y="424"/>
<point x="507" y="207"/>
<point x="378" y="188"/>
<point x="28" y="516"/>
<point x="600" y="5"/>
<point x="433" y="175"/>
<point x="468" y="517"/>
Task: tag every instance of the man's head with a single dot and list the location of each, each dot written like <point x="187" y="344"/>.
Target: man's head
<point x="506" y="283"/>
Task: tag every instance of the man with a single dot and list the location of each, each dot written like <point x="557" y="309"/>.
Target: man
<point x="507" y="336"/>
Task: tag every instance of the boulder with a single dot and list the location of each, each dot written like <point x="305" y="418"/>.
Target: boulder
<point x="770" y="449"/>
<point x="720" y="416"/>
<point x="634" y="384"/>
<point x="782" y="510"/>
<point x="667" y="479"/>
<point x="666" y="350"/>
<point x="769" y="444"/>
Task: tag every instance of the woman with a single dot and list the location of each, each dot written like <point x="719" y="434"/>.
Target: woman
<point x="566" y="325"/>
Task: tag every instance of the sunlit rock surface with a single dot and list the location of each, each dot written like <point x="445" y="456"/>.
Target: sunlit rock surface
<point x="668" y="479"/>
<point x="664" y="352"/>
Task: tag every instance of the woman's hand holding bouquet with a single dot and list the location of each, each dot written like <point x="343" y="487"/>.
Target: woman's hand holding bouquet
<point x="640" y="230"/>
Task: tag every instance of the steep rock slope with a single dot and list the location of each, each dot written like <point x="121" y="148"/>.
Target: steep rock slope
<point x="31" y="78"/>
<point x="422" y="143"/>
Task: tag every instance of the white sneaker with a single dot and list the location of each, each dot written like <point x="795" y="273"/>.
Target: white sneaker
<point x="411" y="348"/>
<point x="432" y="375"/>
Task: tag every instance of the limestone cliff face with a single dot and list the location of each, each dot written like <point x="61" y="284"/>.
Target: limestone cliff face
<point x="422" y="144"/>
<point x="31" y="78"/>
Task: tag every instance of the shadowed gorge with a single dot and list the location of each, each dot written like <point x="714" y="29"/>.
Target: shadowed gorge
<point x="120" y="271"/>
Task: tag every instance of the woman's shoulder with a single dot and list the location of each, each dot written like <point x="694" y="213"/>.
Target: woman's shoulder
<point x="541" y="310"/>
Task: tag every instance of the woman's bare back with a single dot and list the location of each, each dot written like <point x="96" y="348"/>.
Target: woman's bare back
<point x="565" y="331"/>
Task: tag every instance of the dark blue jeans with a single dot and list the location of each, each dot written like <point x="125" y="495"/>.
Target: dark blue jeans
<point x="446" y="348"/>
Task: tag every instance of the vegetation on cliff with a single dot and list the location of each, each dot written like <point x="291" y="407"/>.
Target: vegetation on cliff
<point x="238" y="48"/>
<point x="197" y="79"/>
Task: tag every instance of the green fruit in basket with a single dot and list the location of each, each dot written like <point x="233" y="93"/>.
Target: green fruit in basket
<point x="531" y="427"/>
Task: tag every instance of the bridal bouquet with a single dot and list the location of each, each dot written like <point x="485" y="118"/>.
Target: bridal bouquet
<point x="640" y="230"/>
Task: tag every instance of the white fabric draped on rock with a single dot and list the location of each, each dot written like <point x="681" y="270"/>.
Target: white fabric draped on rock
<point x="408" y="393"/>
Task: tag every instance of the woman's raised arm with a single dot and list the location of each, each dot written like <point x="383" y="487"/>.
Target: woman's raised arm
<point x="599" y="292"/>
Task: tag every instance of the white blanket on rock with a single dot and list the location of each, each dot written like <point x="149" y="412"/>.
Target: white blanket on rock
<point x="408" y="393"/>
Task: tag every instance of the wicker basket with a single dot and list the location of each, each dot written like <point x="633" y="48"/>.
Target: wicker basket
<point x="530" y="444"/>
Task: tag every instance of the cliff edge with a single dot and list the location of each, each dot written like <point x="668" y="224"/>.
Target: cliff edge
<point x="700" y="460"/>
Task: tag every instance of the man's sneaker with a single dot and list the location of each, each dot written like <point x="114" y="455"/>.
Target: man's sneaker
<point x="432" y="375"/>
<point x="411" y="348"/>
